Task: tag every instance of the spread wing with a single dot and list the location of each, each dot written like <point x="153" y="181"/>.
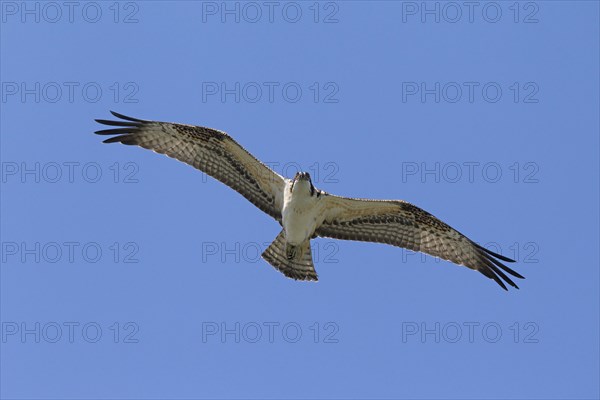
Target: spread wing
<point x="208" y="150"/>
<point x="402" y="224"/>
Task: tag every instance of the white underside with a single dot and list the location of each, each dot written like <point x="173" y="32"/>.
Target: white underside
<point x="301" y="213"/>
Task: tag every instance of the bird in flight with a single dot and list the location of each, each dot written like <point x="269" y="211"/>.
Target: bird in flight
<point x="303" y="211"/>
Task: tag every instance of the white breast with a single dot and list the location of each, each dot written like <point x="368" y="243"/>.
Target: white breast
<point x="300" y="214"/>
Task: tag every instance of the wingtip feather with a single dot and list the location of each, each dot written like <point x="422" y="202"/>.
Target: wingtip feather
<point x="125" y="139"/>
<point x="499" y="256"/>
<point x="125" y="117"/>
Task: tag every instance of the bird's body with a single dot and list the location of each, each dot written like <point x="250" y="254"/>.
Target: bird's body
<point x="303" y="211"/>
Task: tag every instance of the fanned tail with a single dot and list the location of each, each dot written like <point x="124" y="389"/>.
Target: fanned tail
<point x="294" y="262"/>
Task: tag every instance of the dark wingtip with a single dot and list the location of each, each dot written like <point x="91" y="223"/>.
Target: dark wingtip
<point x="498" y="271"/>
<point x="491" y="267"/>
<point x="113" y="139"/>
<point x="505" y="268"/>
<point x="116" y="123"/>
<point x="117" y="131"/>
<point x="125" y="139"/>
<point x="125" y="117"/>
<point x="499" y="256"/>
<point x="128" y="126"/>
<point x="488" y="272"/>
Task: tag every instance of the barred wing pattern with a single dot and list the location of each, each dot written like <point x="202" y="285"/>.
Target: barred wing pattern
<point x="402" y="224"/>
<point x="209" y="150"/>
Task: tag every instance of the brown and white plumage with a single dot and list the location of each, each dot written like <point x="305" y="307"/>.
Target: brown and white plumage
<point x="209" y="150"/>
<point x="402" y="224"/>
<point x="304" y="211"/>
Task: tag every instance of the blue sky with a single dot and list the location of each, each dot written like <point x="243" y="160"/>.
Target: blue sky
<point x="128" y="275"/>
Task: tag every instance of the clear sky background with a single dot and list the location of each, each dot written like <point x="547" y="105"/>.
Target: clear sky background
<point x="126" y="274"/>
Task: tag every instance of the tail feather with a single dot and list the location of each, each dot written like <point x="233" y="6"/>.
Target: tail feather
<point x="297" y="264"/>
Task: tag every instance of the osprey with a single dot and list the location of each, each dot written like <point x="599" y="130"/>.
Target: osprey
<point x="303" y="211"/>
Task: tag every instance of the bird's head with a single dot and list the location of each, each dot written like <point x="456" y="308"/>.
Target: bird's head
<point x="302" y="182"/>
